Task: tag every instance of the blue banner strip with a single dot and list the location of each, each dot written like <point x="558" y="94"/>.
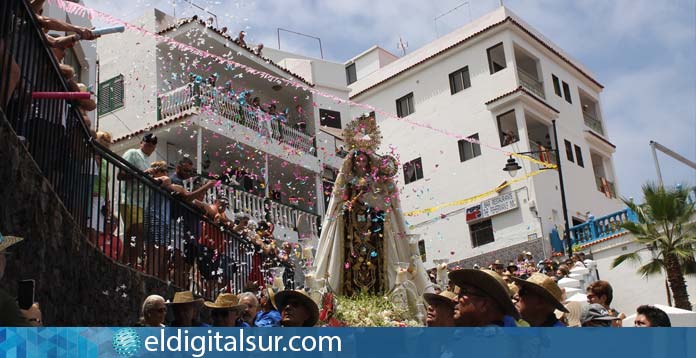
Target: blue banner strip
<point x="348" y="342"/>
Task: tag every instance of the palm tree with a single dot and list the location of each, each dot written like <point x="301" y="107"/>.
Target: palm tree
<point x="665" y="225"/>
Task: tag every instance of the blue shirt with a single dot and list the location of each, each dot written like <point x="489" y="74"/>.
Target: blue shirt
<point x="267" y="319"/>
<point x="241" y="323"/>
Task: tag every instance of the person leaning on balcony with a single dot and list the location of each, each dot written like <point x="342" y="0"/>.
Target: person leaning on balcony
<point x="601" y="292"/>
<point x="100" y="209"/>
<point x="134" y="198"/>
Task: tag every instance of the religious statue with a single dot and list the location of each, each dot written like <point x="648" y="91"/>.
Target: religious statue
<point x="364" y="239"/>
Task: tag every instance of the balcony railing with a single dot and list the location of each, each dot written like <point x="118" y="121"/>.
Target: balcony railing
<point x="542" y="153"/>
<point x="531" y="83"/>
<point x="263" y="209"/>
<point x="605" y="186"/>
<point x="121" y="210"/>
<point x="601" y="228"/>
<point x="592" y="122"/>
<point x="195" y="98"/>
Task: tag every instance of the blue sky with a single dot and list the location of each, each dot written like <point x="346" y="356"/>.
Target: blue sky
<point x="642" y="51"/>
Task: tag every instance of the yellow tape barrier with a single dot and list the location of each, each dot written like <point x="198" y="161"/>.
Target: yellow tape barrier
<point x="479" y="196"/>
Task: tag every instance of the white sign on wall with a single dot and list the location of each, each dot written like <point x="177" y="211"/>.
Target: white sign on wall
<point x="497" y="205"/>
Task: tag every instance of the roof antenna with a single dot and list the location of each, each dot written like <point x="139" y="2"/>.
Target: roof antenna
<point x="402" y="46"/>
<point x="437" y="33"/>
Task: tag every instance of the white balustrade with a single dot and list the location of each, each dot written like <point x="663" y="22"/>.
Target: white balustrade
<point x="191" y="98"/>
<point x="177" y="102"/>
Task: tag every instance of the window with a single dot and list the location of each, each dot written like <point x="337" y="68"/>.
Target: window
<point x="330" y="118"/>
<point x="351" y="75"/>
<point x="459" y="80"/>
<point x="578" y="156"/>
<point x="481" y="233"/>
<point x="421" y="250"/>
<point x="507" y="128"/>
<point x="496" y="58"/>
<point x="404" y="105"/>
<point x="110" y="95"/>
<point x="556" y="86"/>
<point x="468" y="150"/>
<point x="566" y="91"/>
<point x="569" y="150"/>
<point x="413" y="170"/>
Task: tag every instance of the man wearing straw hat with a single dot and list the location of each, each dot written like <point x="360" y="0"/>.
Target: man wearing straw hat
<point x="226" y="310"/>
<point x="440" y="308"/>
<point x="185" y="308"/>
<point x="268" y="315"/>
<point x="483" y="300"/>
<point x="297" y="309"/>
<point x="10" y="315"/>
<point x="537" y="299"/>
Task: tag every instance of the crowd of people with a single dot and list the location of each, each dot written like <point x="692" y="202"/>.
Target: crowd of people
<point x="267" y="307"/>
<point x="526" y="293"/>
<point x="193" y="253"/>
<point x="266" y="112"/>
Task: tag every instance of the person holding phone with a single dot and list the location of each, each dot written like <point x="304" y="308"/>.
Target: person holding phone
<point x="10" y="315"/>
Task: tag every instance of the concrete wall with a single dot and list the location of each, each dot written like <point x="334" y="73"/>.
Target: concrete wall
<point x="630" y="289"/>
<point x="134" y="56"/>
<point x="76" y="285"/>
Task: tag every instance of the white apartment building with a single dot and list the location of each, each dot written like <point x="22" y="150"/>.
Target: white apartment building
<point x="145" y="86"/>
<point x="500" y="81"/>
<point x="495" y="79"/>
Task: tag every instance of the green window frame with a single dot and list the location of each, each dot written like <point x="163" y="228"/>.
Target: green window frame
<point x="111" y="95"/>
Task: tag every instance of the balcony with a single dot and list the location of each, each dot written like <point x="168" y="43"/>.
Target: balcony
<point x="606" y="186"/>
<point x="601" y="228"/>
<point x="290" y="223"/>
<point x="531" y="83"/>
<point x="592" y="122"/>
<point x="201" y="99"/>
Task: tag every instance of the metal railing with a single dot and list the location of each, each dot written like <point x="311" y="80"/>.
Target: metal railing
<point x="531" y="83"/>
<point x="592" y="122"/>
<point x="601" y="228"/>
<point x="263" y="209"/>
<point x="126" y="214"/>
<point x="199" y="98"/>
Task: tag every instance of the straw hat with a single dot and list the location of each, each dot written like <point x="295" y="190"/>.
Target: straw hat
<point x="7" y="241"/>
<point x="489" y="282"/>
<point x="282" y="297"/>
<point x="545" y="287"/>
<point x="184" y="297"/>
<point x="444" y="297"/>
<point x="226" y="301"/>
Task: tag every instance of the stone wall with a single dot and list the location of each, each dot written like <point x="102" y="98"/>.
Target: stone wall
<point x="505" y="255"/>
<point x="76" y="285"/>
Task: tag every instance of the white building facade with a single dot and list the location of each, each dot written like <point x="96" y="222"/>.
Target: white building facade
<point x="155" y="87"/>
<point x="499" y="81"/>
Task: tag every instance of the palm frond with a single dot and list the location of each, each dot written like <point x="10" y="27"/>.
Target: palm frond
<point x="651" y="268"/>
<point x="633" y="256"/>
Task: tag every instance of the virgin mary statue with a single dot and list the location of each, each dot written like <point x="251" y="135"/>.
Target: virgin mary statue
<point x="364" y="240"/>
